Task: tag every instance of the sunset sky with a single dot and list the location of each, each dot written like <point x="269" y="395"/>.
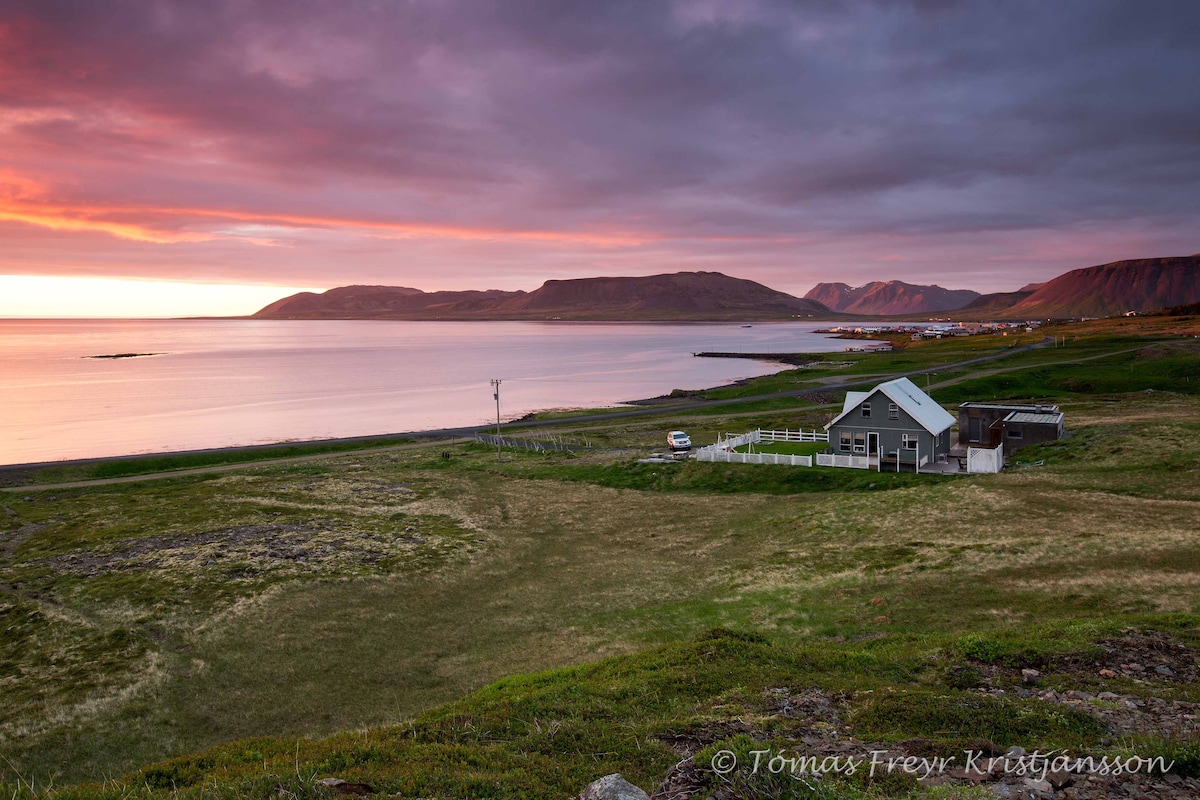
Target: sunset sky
<point x="260" y="148"/>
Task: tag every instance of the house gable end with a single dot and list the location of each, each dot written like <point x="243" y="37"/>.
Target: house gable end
<point x="913" y="404"/>
<point x="853" y="404"/>
<point x="880" y="418"/>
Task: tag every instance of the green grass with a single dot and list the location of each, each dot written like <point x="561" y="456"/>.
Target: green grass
<point x="545" y="735"/>
<point x="567" y="414"/>
<point x="462" y="627"/>
<point x="706" y="478"/>
<point x="145" y="465"/>
<point x="785" y="448"/>
<point x="1173" y="368"/>
<point x="911" y="358"/>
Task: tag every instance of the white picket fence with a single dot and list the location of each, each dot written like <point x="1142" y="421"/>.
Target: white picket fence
<point x="732" y="457"/>
<point x="836" y="460"/>
<point x="728" y="441"/>
<point x="985" y="459"/>
<point x="792" y="436"/>
<point x="760" y="435"/>
<point x="723" y="451"/>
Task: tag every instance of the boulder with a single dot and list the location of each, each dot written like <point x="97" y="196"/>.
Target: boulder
<point x="613" y="787"/>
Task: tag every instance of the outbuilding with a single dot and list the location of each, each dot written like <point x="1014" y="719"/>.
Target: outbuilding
<point x="1015" y="425"/>
<point x="1023" y="428"/>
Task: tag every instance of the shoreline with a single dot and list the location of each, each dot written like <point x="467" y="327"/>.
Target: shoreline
<point x="789" y="360"/>
<point x="14" y="470"/>
<point x="643" y="406"/>
<point x="640" y="407"/>
<point x="691" y="394"/>
<point x="689" y="398"/>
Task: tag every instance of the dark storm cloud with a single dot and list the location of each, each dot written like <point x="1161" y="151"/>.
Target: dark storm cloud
<point x="681" y="121"/>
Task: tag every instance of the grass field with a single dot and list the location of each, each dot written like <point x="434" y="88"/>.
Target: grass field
<point x="465" y="628"/>
<point x="119" y="468"/>
<point x="785" y="448"/>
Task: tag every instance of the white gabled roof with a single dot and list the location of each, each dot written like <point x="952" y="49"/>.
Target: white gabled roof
<point x="904" y="393"/>
<point x="853" y="399"/>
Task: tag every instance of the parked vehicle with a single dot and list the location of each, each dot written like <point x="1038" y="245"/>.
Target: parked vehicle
<point x="678" y="440"/>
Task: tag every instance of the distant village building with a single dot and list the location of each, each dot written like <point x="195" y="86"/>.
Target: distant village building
<point x="894" y="423"/>
<point x="1015" y="426"/>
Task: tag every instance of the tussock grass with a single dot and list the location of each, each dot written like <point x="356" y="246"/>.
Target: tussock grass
<point x="144" y="465"/>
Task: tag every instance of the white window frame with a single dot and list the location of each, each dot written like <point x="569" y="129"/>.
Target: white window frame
<point x="910" y="440"/>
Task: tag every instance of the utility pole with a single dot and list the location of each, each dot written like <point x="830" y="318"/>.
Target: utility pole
<point x="496" y="395"/>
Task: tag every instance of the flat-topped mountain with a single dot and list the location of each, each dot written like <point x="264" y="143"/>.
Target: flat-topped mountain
<point x="682" y="294"/>
<point x="678" y="296"/>
<point x="889" y="297"/>
<point x="371" y="302"/>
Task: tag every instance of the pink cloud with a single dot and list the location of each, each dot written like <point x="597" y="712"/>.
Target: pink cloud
<point x="469" y="144"/>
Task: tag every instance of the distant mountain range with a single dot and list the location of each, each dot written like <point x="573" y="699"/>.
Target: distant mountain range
<point x="679" y="296"/>
<point x="883" y="298"/>
<point x="1140" y="285"/>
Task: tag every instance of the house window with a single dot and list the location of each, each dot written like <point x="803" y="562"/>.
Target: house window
<point x="845" y="437"/>
<point x="860" y="442"/>
<point x="866" y="410"/>
<point x="893" y="411"/>
<point x="1013" y="433"/>
<point x="910" y="441"/>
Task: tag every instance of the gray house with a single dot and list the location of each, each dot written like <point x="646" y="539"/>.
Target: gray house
<point x="895" y="420"/>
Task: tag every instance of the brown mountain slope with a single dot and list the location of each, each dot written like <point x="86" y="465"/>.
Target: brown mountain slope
<point x="889" y="297"/>
<point x="995" y="302"/>
<point x="378" y="302"/>
<point x="1142" y="285"/>
<point x="682" y="295"/>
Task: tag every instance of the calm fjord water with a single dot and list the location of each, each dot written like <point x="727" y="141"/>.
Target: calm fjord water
<point x="233" y="382"/>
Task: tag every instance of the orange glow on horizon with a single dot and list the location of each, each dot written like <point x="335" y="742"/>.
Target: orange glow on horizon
<point x="61" y="222"/>
<point x="83" y="218"/>
<point x="24" y="200"/>
<point x="58" y="297"/>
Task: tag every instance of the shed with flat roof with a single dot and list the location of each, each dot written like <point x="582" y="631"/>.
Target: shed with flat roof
<point x="982" y="424"/>
<point x="1023" y="428"/>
